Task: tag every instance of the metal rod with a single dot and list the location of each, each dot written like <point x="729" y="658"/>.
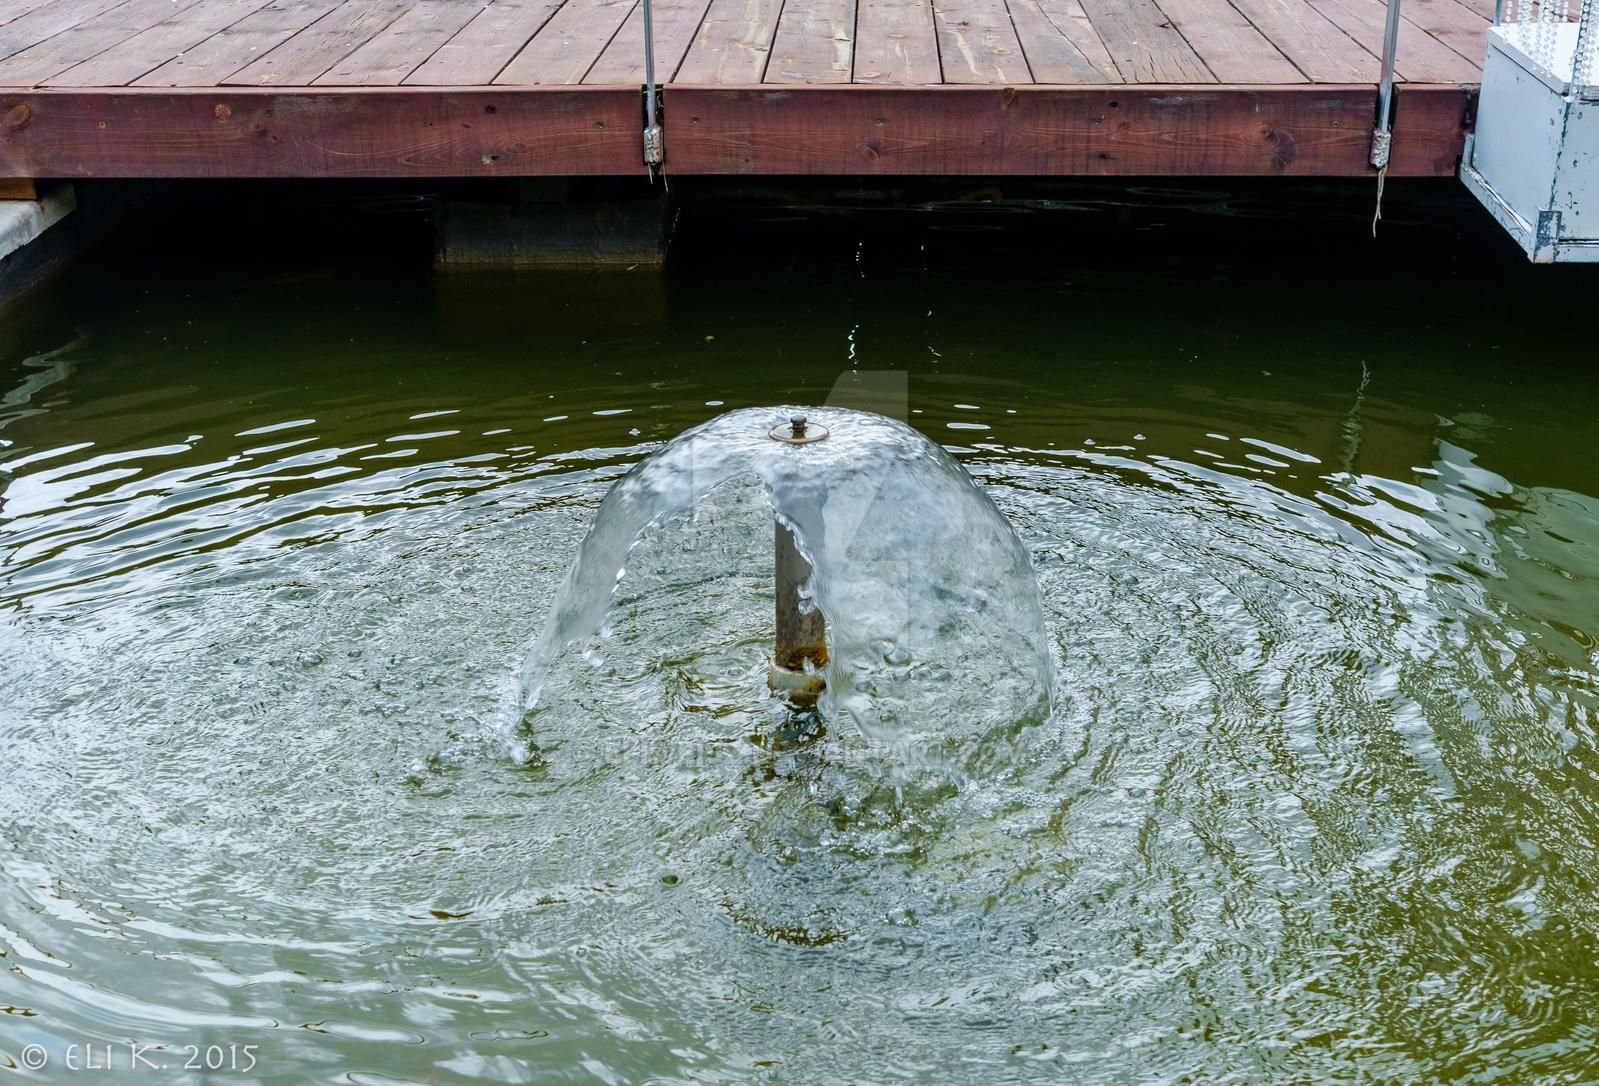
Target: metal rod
<point x="801" y="632"/>
<point x="654" y="153"/>
<point x="1385" y="94"/>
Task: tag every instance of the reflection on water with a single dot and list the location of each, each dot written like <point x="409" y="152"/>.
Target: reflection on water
<point x="1319" y="799"/>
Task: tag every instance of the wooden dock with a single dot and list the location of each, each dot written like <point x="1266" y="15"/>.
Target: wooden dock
<point x="473" y="88"/>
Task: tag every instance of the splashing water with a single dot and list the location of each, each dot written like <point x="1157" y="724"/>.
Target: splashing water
<point x="935" y="624"/>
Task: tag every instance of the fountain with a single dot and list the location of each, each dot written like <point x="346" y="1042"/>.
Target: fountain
<point x="902" y="598"/>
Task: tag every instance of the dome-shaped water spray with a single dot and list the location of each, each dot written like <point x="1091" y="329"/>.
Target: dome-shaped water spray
<point x="903" y="598"/>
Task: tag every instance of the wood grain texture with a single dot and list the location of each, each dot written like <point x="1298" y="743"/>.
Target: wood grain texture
<point x="52" y="56"/>
<point x="1313" y="42"/>
<point x="733" y="43"/>
<point x="394" y="52"/>
<point x="814" y="43"/>
<point x="896" y="42"/>
<point x="150" y="49"/>
<point x="255" y="132"/>
<point x="1296" y="130"/>
<point x="1144" y="44"/>
<point x="1429" y="134"/>
<point x="1228" y="43"/>
<point x="568" y="45"/>
<point x="486" y="45"/>
<point x="45" y="21"/>
<point x="234" y="47"/>
<point x="977" y="42"/>
<point x="1421" y="58"/>
<point x="675" y="22"/>
<point x="18" y="188"/>
<point x="321" y="45"/>
<point x="1456" y="25"/>
<point x="1061" y="44"/>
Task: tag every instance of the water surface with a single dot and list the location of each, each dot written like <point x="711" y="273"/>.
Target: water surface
<point x="1315" y="524"/>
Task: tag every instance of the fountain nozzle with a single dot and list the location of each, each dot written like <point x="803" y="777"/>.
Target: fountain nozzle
<point x="799" y="431"/>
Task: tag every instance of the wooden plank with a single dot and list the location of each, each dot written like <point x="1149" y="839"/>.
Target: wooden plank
<point x="1291" y="130"/>
<point x="231" y="49"/>
<point x="570" y="43"/>
<point x="1429" y="135"/>
<point x="895" y="42"/>
<point x="733" y="43"/>
<point x="18" y="188"/>
<point x="258" y="132"/>
<point x="45" y="21"/>
<point x="321" y="45"/>
<point x="404" y="45"/>
<point x="674" y="25"/>
<point x="815" y="42"/>
<point x="150" y="49"/>
<point x="10" y="9"/>
<point x="1324" y="53"/>
<point x="978" y="44"/>
<point x="1061" y="44"/>
<point x="1143" y="43"/>
<point x="1229" y="44"/>
<point x="1421" y="58"/>
<point x="486" y="45"/>
<point x="1454" y="24"/>
<point x="37" y="63"/>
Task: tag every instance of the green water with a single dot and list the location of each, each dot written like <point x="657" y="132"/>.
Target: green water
<point x="1316" y="527"/>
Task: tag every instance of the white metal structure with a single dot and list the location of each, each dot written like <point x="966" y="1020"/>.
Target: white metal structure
<point x="1534" y="158"/>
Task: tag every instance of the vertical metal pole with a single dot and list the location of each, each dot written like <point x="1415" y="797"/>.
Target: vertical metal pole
<point x="653" y="151"/>
<point x="1382" y="136"/>
<point x="801" y="633"/>
<point x="1385" y="92"/>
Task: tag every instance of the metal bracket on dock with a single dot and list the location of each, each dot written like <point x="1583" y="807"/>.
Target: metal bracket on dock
<point x="654" y="145"/>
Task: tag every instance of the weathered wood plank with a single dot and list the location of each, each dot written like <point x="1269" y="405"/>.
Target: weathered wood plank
<point x="10" y="9"/>
<point x="896" y="42"/>
<point x="1061" y="44"/>
<point x="258" y="132"/>
<point x="212" y="61"/>
<point x="321" y="45"/>
<point x="37" y="63"/>
<point x="815" y="42"/>
<point x="570" y="43"/>
<point x="1421" y="58"/>
<point x="1312" y="41"/>
<point x="1229" y="44"/>
<point x="675" y="23"/>
<point x="486" y="45"/>
<point x="150" y="49"/>
<point x="1454" y="24"/>
<point x="733" y="43"/>
<point x="51" y="56"/>
<point x="18" y="188"/>
<point x="394" y="52"/>
<point x="1429" y="135"/>
<point x="978" y="44"/>
<point x="1293" y="130"/>
<point x="45" y="21"/>
<point x="1143" y="43"/>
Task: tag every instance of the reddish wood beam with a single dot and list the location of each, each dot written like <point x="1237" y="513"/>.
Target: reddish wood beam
<point x="1429" y="129"/>
<point x="252" y="132"/>
<point x="1300" y="130"/>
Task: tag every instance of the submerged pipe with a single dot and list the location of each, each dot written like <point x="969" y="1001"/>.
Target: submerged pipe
<point x="800" y="651"/>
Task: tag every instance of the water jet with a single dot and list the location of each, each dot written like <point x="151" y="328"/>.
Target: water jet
<point x="903" y="599"/>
